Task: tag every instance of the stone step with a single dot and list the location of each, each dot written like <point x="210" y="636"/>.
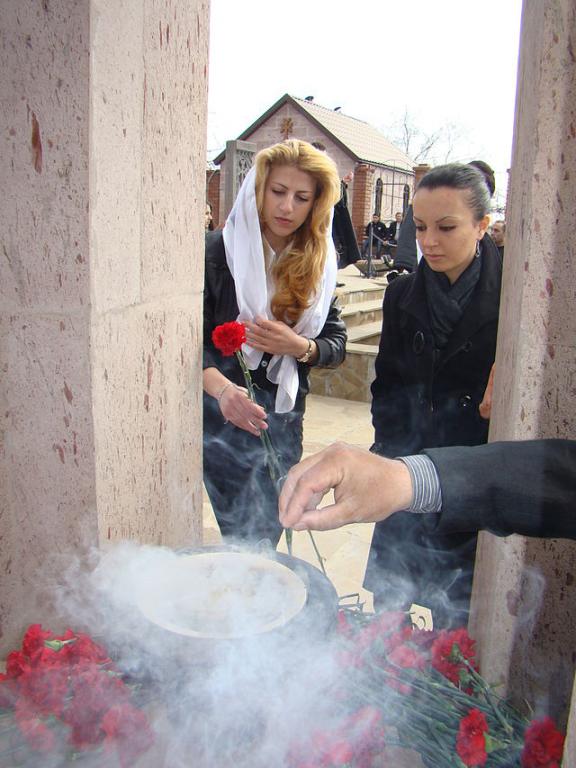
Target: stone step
<point x="367" y="333"/>
<point x="369" y="291"/>
<point x="352" y="379"/>
<point x="361" y="312"/>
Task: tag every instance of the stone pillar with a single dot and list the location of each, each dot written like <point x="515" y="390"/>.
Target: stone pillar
<point x="362" y="201"/>
<point x="239" y="160"/>
<point x="213" y="194"/>
<point x="524" y="589"/>
<point x="103" y="121"/>
<point x="420" y="170"/>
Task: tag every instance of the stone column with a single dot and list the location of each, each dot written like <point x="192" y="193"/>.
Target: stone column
<point x="524" y="589"/>
<point x="362" y="201"/>
<point x="103" y="115"/>
<point x="420" y="170"/>
<point x="213" y="194"/>
<point x="239" y="159"/>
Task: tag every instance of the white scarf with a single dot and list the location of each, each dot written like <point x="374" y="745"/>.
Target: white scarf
<point x="245" y="258"/>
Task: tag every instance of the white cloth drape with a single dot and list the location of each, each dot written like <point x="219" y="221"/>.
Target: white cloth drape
<point x="245" y="259"/>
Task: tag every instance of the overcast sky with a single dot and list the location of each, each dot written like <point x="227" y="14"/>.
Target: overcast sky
<point x="446" y="62"/>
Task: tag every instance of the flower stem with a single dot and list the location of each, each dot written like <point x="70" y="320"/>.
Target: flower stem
<point x="272" y="459"/>
<point x="318" y="555"/>
<point x="288" y="532"/>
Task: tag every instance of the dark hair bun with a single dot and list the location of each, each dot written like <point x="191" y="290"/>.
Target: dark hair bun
<point x="487" y="172"/>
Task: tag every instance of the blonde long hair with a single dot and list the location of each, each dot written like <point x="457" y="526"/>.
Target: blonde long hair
<point x="297" y="274"/>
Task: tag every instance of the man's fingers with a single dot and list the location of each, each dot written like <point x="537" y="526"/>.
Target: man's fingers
<point x="325" y="519"/>
<point x="304" y="489"/>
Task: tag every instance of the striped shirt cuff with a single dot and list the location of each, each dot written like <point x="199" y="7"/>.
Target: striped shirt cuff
<point x="426" y="484"/>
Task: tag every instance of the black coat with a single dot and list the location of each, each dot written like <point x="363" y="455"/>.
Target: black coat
<point x="526" y="487"/>
<point x="235" y="473"/>
<point x="423" y="398"/>
<point x="406" y="256"/>
<point x="343" y="232"/>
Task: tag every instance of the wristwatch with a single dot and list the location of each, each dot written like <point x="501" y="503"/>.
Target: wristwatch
<point x="307" y="355"/>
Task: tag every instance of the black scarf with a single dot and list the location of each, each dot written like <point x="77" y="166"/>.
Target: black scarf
<point x="447" y="302"/>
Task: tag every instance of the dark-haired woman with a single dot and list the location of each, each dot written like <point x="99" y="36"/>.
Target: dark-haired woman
<point x="437" y="347"/>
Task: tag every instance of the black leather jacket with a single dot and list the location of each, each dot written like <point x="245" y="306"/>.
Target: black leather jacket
<point x="220" y="306"/>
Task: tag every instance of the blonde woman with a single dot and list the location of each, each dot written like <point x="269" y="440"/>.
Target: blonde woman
<point x="273" y="267"/>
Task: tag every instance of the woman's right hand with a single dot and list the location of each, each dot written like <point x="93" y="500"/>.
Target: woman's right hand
<point x="238" y="409"/>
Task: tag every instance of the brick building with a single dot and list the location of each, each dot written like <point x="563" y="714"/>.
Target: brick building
<point x="383" y="174"/>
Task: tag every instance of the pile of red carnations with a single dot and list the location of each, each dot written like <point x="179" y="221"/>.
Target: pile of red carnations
<point x="63" y="695"/>
<point x="409" y="689"/>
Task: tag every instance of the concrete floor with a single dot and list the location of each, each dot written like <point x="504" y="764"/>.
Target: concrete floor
<point x="344" y="551"/>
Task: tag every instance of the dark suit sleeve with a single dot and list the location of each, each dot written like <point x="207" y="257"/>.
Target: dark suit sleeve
<point x="406" y="254"/>
<point x="525" y="487"/>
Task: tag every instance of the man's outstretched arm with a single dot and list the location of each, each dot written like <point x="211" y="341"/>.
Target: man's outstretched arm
<point x="508" y="487"/>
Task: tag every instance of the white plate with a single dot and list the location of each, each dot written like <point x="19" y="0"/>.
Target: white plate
<point x="223" y="595"/>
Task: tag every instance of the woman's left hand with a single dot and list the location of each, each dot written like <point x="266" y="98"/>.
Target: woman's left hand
<point x="275" y="338"/>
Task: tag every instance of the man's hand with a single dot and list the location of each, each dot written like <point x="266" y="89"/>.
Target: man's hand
<point x="367" y="488"/>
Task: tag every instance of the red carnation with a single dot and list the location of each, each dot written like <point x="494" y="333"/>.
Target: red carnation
<point x="367" y="729"/>
<point x="340" y="752"/>
<point x="33" y="640"/>
<point x="543" y="745"/>
<point x="344" y="626"/>
<point x="34" y="730"/>
<point x="84" y="649"/>
<point x="127" y="729"/>
<point x="45" y="689"/>
<point x="470" y="741"/>
<point x="17" y="664"/>
<point x="406" y="657"/>
<point x="445" y="657"/>
<point x="8" y="690"/>
<point x="229" y="337"/>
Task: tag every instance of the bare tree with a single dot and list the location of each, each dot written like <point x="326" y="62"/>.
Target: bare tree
<point x="439" y="145"/>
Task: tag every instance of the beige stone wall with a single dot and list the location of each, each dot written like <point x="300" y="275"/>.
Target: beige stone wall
<point x="103" y="109"/>
<point x="526" y="637"/>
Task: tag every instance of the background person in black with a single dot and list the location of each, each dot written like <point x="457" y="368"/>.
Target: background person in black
<point x="395" y="228"/>
<point x="498" y="233"/>
<point x="436" y="351"/>
<point x="377" y="232"/>
<point x="343" y="235"/>
<point x="208" y="218"/>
